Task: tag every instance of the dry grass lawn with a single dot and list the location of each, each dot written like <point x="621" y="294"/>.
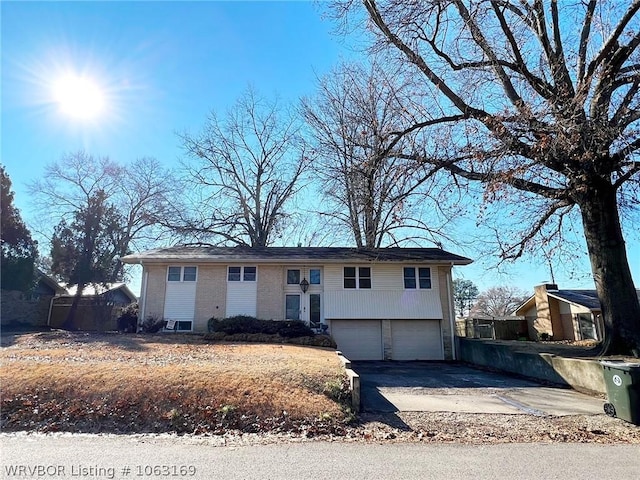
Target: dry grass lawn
<point x="158" y="383"/>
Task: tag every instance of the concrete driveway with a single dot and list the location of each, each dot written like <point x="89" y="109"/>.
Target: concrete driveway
<point x="446" y="387"/>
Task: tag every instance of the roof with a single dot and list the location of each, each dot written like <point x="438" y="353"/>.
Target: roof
<point x="50" y="282"/>
<point x="92" y="290"/>
<point x="585" y="298"/>
<point x="290" y="255"/>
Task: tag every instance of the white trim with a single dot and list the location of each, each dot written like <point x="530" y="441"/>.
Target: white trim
<point x="416" y="272"/>
<point x="182" y="280"/>
<point x="357" y="277"/>
<point x="242" y="280"/>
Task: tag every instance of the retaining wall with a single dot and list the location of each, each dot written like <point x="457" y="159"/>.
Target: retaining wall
<point x="580" y="374"/>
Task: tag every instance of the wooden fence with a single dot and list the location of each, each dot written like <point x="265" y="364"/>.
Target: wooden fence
<point x="497" y="328"/>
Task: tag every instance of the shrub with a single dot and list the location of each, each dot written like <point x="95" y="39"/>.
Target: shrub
<point x="152" y="325"/>
<point x="293" y="329"/>
<point x="244" y="327"/>
<point x="245" y="324"/>
<point x="128" y="319"/>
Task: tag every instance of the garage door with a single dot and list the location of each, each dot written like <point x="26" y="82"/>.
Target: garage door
<point x="358" y="339"/>
<point x="416" y="340"/>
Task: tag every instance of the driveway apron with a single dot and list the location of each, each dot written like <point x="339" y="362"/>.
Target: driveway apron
<point x="388" y="387"/>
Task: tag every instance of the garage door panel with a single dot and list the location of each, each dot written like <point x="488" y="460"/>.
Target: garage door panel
<point x="416" y="340"/>
<point x="358" y="339"/>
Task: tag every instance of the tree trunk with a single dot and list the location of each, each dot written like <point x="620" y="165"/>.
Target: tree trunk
<point x="610" y="268"/>
<point x="69" y="322"/>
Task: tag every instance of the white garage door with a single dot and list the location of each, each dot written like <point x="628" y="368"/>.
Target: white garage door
<point x="358" y="339"/>
<point x="416" y="340"/>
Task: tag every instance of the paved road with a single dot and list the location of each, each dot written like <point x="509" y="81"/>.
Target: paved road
<point x="448" y="387"/>
<point x="79" y="457"/>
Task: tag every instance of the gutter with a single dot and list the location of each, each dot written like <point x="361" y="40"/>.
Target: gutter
<point x="50" y="309"/>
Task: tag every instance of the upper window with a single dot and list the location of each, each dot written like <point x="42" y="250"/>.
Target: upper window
<point x="314" y="276"/>
<point x="244" y="274"/>
<point x="182" y="274"/>
<point x="359" y="277"/>
<point x="249" y="274"/>
<point x="293" y="277"/>
<point x="419" y="277"/>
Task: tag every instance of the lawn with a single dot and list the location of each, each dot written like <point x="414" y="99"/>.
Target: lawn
<point x="80" y="382"/>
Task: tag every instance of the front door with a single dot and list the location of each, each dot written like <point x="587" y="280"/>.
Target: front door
<point x="292" y="307"/>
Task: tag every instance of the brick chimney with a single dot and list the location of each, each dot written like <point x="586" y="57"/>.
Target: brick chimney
<point x="547" y="311"/>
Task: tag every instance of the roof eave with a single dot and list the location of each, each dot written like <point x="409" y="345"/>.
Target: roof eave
<point x="142" y="260"/>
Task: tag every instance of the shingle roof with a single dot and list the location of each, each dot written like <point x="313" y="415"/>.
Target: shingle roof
<point x="296" y="255"/>
<point x="586" y="298"/>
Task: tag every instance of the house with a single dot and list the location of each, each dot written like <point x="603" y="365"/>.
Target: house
<point x="29" y="309"/>
<point x="97" y="309"/>
<point x="391" y="303"/>
<point x="563" y="314"/>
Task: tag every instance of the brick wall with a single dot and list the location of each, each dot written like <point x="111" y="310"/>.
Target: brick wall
<point x="211" y="295"/>
<point x="155" y="291"/>
<point x="270" y="299"/>
<point x="444" y="273"/>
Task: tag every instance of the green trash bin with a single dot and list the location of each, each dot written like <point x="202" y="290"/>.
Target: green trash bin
<point x="623" y="390"/>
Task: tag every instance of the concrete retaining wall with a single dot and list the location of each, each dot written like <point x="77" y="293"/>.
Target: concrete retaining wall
<point x="354" y="382"/>
<point x="581" y="375"/>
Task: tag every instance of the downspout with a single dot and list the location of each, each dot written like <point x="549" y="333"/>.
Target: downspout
<point x="143" y="294"/>
<point x="451" y="315"/>
<point x="50" y="309"/>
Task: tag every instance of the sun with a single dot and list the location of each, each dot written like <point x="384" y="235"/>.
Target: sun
<point x="79" y="96"/>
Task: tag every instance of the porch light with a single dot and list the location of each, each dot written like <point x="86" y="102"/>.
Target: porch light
<point x="304" y="285"/>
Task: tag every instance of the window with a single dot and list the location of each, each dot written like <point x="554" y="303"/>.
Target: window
<point x="349" y="277"/>
<point x="234" y="274"/>
<point x="182" y="274"/>
<point x="423" y="275"/>
<point x="189" y="274"/>
<point x="364" y="274"/>
<point x="249" y="274"/>
<point x="293" y="277"/>
<point x="314" y="310"/>
<point x="314" y="276"/>
<point x="174" y="274"/>
<point x="357" y="277"/>
<point x="244" y="274"/>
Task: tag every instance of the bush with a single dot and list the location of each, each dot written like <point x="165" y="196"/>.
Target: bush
<point x="128" y="319"/>
<point x="294" y="329"/>
<point x="152" y="325"/>
<point x="243" y="324"/>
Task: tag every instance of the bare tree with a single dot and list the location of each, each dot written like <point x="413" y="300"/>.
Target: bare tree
<point x="138" y="192"/>
<point x="366" y="187"/>
<point x="538" y="101"/>
<point x="244" y="169"/>
<point x="498" y="301"/>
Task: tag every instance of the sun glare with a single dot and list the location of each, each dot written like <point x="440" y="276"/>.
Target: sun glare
<point x="78" y="96"/>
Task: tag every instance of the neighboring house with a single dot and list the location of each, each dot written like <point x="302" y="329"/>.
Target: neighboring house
<point x="30" y="309"/>
<point x="392" y="303"/>
<point x="97" y="309"/>
<point x="563" y="314"/>
<point x="47" y="286"/>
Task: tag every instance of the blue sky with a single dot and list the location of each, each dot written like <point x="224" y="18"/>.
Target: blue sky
<point x="163" y="66"/>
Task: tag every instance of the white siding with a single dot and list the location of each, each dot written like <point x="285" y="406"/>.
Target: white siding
<point x="242" y="298"/>
<point x="180" y="301"/>
<point x="406" y="304"/>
